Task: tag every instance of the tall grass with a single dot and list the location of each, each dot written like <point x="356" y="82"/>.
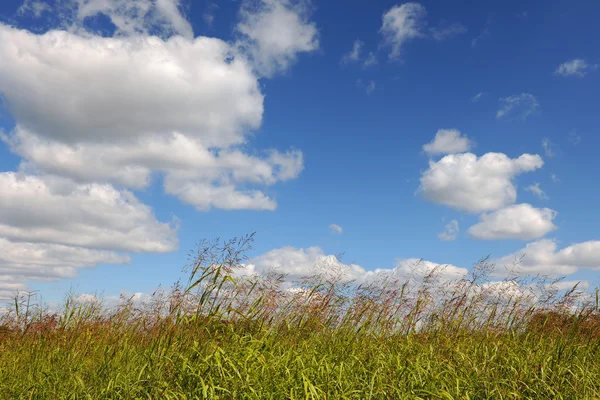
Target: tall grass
<point x="226" y="335"/>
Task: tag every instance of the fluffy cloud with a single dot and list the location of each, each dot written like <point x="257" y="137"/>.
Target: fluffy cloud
<point x="50" y="261"/>
<point x="186" y="164"/>
<point x="543" y="257"/>
<point x="450" y="232"/>
<point x="336" y="229"/>
<point x="55" y="211"/>
<point x="148" y="87"/>
<point x="177" y="106"/>
<point x="576" y="67"/>
<point x="518" y="107"/>
<point x="520" y="221"/>
<point x="109" y="112"/>
<point x="274" y="32"/>
<point x="401" y="24"/>
<point x="298" y="263"/>
<point x="475" y="184"/>
<point x="21" y="262"/>
<point x="448" y="141"/>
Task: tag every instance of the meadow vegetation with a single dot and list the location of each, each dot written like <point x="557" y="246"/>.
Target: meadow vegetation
<point x="227" y="335"/>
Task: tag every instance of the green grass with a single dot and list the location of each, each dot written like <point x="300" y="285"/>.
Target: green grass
<point x="225" y="337"/>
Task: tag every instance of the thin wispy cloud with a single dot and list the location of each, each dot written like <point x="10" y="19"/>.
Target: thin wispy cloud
<point x="368" y="87"/>
<point x="484" y="33"/>
<point x="402" y="24"/>
<point x="447" y="30"/>
<point x="549" y="147"/>
<point x="574" y="137"/>
<point x="577" y="67"/>
<point x="450" y="231"/>
<point x="537" y="190"/>
<point x="518" y="106"/>
<point x="354" y="54"/>
<point x="336" y="229"/>
<point x="477" y="97"/>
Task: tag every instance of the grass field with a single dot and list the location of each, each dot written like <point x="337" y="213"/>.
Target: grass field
<point x="226" y="336"/>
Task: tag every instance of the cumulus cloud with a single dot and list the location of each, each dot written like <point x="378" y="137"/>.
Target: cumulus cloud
<point x="21" y="262"/>
<point x="177" y="106"/>
<point x="336" y="229"/>
<point x="299" y="263"/>
<point x="273" y="32"/>
<point x="475" y="184"/>
<point x="401" y="24"/>
<point x="520" y="221"/>
<point x="450" y="232"/>
<point x="543" y="257"/>
<point x="180" y="107"/>
<point x="537" y="190"/>
<point x="448" y="141"/>
<point x="577" y="67"/>
<point x="518" y="106"/>
<point x="147" y="85"/>
<point x="93" y="216"/>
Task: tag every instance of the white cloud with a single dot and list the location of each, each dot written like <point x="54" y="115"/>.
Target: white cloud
<point x="548" y="147"/>
<point x="475" y="184"/>
<point x="477" y="97"/>
<point x="21" y="262"/>
<point x="226" y="197"/>
<point x="170" y="102"/>
<point x="577" y="67"/>
<point x="537" y="190"/>
<point x="370" y="60"/>
<point x="180" y="106"/>
<point x="369" y="88"/>
<point x="555" y="178"/>
<point x="298" y="263"/>
<point x="450" y="232"/>
<point x="574" y="137"/>
<point x="354" y="54"/>
<point x="34" y="7"/>
<point x="520" y="221"/>
<point x="336" y="229"/>
<point x="446" y="31"/>
<point x="543" y="257"/>
<point x="568" y="285"/>
<point x="9" y="286"/>
<point x="130" y="17"/>
<point x="448" y="141"/>
<point x="402" y="23"/>
<point x="147" y="85"/>
<point x="484" y="33"/>
<point x="517" y="106"/>
<point x="274" y="32"/>
<point x="55" y="211"/>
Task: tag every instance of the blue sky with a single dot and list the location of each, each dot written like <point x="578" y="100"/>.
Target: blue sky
<point x="302" y="134"/>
